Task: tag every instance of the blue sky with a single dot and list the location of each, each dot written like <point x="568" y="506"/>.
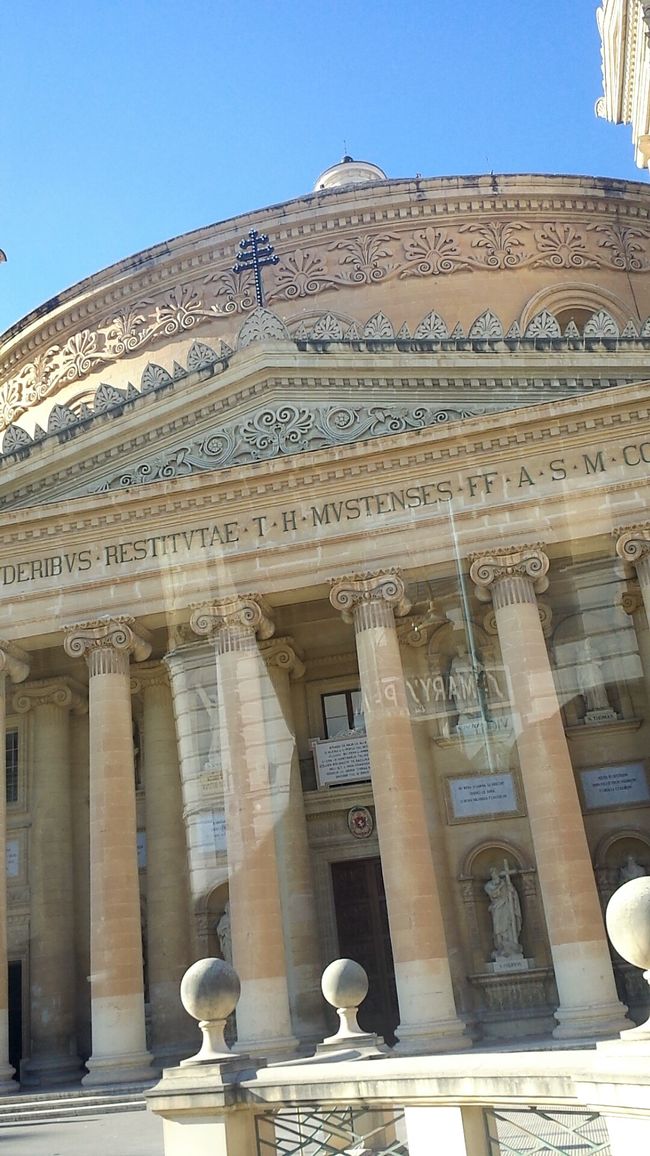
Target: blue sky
<point x="126" y="122"/>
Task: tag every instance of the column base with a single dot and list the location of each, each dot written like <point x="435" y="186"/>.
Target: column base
<point x="126" y="1069"/>
<point x="43" y="1071"/>
<point x="275" y="1049"/>
<point x="588" y="1023"/>
<point x="440" y="1036"/>
<point x="7" y="1084"/>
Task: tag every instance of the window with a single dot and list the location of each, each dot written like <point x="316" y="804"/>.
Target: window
<point x="342" y="712"/>
<point x="11" y="749"/>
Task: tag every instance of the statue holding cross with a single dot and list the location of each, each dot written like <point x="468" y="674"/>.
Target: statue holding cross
<point x="505" y="912"/>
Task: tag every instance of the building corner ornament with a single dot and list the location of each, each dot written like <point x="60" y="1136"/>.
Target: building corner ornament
<point x="633" y="542"/>
<point x="13" y="661"/>
<point x="350" y="592"/>
<point x="490" y="567"/>
<point x="116" y="633"/>
<point x="247" y="610"/>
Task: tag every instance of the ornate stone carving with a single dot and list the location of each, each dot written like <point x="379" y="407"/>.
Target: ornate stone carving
<point x="283" y="653"/>
<point x="529" y="562"/>
<point x="633" y="543"/>
<point x="349" y="593"/>
<point x="487" y="326"/>
<point x="543" y="324"/>
<point x="116" y="635"/>
<point x="262" y="325"/>
<point x="246" y="610"/>
<point x="61" y="692"/>
<point x="152" y="674"/>
<point x="631" y="599"/>
<point x="13" y="661"/>
<point x="430" y="252"/>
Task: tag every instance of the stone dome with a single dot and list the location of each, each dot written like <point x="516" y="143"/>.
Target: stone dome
<point x="349" y="172"/>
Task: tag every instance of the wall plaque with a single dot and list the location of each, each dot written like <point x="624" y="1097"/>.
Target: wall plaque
<point x="481" y="796"/>
<point x="341" y="760"/>
<point x="212" y="831"/>
<point x="12" y="860"/>
<point x="620" y="785"/>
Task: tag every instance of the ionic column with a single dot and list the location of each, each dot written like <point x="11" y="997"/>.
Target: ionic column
<point x="15" y="667"/>
<point x="304" y="965"/>
<point x="263" y="1017"/>
<point x="583" y="971"/>
<point x="53" y="1054"/>
<point x="633" y="546"/>
<point x="428" y="1013"/>
<point x="168" y="925"/>
<point x="119" y="1052"/>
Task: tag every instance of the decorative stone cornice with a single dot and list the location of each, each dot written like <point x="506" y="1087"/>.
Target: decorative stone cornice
<point x="353" y="593"/>
<point x="249" y="611"/>
<point x="61" y="692"/>
<point x="13" y="661"/>
<point x="489" y="568"/>
<point x="633" y="543"/>
<point x="107" y="633"/>
<point x="285" y="655"/>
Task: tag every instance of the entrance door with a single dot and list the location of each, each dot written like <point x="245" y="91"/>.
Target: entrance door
<point x="15" y="1014"/>
<point x="362" y="924"/>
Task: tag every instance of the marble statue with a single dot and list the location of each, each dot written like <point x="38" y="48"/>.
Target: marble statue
<point x="464" y="689"/>
<point x="590" y="681"/>
<point x="505" y="912"/>
<point x="224" y="934"/>
<point x="631" y="869"/>
<point x="211" y="707"/>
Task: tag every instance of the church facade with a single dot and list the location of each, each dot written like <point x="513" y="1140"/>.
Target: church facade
<point x="325" y="599"/>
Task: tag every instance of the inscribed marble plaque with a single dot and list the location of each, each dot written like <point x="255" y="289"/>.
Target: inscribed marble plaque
<point x="142" y="850"/>
<point x="344" y="760"/>
<point x="478" y="795"/>
<point x="12" y="858"/>
<point x="212" y="831"/>
<point x="623" y="785"/>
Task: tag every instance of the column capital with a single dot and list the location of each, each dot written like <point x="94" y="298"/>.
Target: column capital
<point x="631" y="599"/>
<point x="149" y="675"/>
<point x="633" y="542"/>
<point x="246" y="610"/>
<point x="61" y="692"/>
<point x="384" y="587"/>
<point x="285" y="655"/>
<point x="107" y="633"/>
<point x="529" y="564"/>
<point x="13" y="661"/>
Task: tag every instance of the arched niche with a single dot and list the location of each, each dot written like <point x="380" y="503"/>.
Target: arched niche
<point x="446" y="645"/>
<point x="595" y="660"/>
<point x="207" y="912"/>
<point x="578" y="298"/>
<point x="613" y="855"/>
<point x="475" y="873"/>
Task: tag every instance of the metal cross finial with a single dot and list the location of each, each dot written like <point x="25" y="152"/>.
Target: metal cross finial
<point x="255" y="253"/>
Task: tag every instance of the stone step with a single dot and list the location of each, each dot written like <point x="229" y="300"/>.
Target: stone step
<point x="61" y="1105"/>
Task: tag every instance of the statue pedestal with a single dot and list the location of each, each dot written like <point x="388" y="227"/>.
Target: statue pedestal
<point x="596" y="717"/>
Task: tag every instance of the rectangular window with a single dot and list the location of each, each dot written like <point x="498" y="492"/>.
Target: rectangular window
<point x="342" y="712"/>
<point x="11" y="749"/>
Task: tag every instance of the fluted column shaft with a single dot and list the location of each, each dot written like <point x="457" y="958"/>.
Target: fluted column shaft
<point x="13" y="668"/>
<point x="583" y="972"/>
<point x="294" y="862"/>
<point x="53" y="1054"/>
<point x="119" y="1046"/>
<point x="263" y="1016"/>
<point x="428" y="1019"/>
<point x="168" y="939"/>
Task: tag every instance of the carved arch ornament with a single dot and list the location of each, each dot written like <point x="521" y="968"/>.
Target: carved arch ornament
<point x="335" y="424"/>
<point x="424" y="247"/>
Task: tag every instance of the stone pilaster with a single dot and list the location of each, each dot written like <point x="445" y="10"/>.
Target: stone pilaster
<point x="119" y="1052"/>
<point x="304" y="965"/>
<point x="263" y="1016"/>
<point x="511" y="579"/>
<point x="14" y="666"/>
<point x="53" y="1056"/>
<point x="428" y="1014"/>
<point x="168" y="940"/>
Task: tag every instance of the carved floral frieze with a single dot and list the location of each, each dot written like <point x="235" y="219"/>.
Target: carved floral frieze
<point x="360" y="259"/>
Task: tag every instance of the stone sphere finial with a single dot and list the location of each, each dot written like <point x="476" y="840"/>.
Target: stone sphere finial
<point x="345" y="986"/>
<point x="628" y="926"/>
<point x="210" y="990"/>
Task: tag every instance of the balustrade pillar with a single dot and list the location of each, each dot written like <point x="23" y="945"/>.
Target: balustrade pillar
<point x="263" y="1016"/>
<point x="172" y="1030"/>
<point x="588" y="1007"/>
<point x="294" y="863"/>
<point x="119" y="1052"/>
<point x="15" y="667"/>
<point x="53" y="1054"/>
<point x="428" y="1018"/>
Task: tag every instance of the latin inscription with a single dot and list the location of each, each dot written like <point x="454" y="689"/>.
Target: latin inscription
<point x="617" y="786"/>
<point x="343" y="760"/>
<point x="476" y="795"/>
<point x="459" y="491"/>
